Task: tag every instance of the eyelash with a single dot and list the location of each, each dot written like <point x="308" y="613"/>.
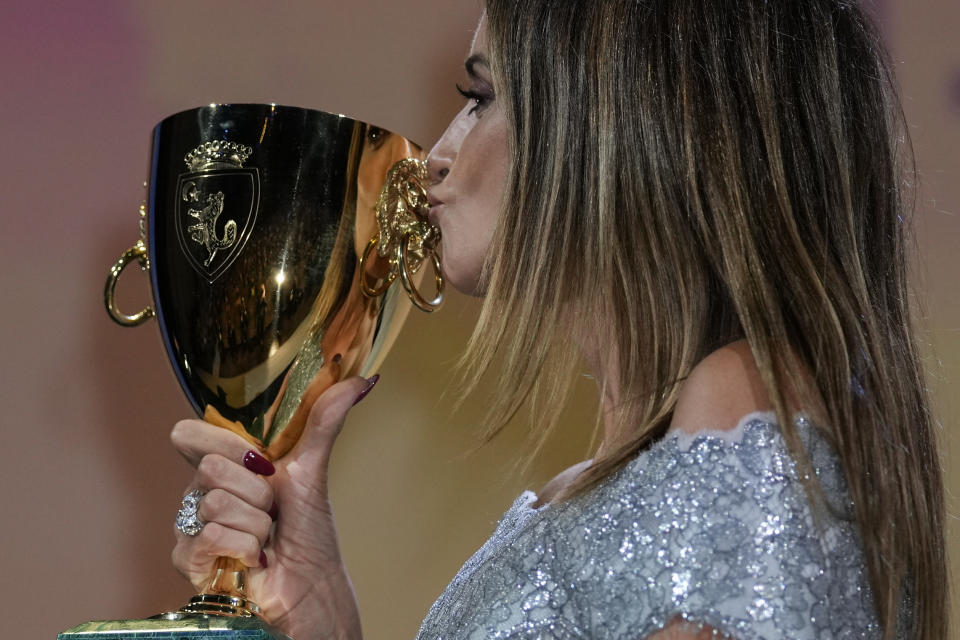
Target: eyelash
<point x="480" y="99"/>
<point x="376" y="136"/>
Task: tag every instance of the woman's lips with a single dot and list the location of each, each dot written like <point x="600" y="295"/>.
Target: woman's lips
<point x="433" y="214"/>
<point x="435" y="205"/>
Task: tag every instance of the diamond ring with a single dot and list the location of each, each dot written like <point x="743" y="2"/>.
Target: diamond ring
<point x="187" y="521"/>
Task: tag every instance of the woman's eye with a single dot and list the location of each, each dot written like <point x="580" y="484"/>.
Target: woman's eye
<point x="376" y="136"/>
<point x="480" y="100"/>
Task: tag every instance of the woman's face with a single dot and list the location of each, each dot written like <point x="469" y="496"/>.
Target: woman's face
<point x="468" y="171"/>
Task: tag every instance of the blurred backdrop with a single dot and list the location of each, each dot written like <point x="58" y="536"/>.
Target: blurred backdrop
<point x="90" y="483"/>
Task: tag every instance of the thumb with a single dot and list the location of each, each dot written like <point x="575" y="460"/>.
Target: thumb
<point x="326" y="419"/>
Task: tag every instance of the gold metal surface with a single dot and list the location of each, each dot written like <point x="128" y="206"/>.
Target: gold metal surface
<point x="406" y="278"/>
<point x="404" y="237"/>
<point x="211" y="156"/>
<point x="377" y="288"/>
<point x="260" y="257"/>
<point x="137" y="252"/>
<point x="226" y="594"/>
<point x="215" y="604"/>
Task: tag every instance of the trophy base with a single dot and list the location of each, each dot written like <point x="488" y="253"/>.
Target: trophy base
<point x="216" y="604"/>
<point x="177" y="625"/>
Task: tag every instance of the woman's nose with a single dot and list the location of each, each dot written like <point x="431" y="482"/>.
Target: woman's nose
<point x="444" y="153"/>
<point x="438" y="163"/>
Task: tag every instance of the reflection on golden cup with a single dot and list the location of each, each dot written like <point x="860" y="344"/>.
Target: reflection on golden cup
<point x="258" y="235"/>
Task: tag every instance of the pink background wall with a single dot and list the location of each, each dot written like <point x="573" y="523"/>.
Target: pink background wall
<point x="91" y="484"/>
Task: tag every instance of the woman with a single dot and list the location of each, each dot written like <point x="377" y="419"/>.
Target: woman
<point x="704" y="198"/>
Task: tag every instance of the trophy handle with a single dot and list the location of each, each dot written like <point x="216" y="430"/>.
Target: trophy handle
<point x="137" y="252"/>
<point x="407" y="279"/>
<point x="375" y="289"/>
<point x="402" y="228"/>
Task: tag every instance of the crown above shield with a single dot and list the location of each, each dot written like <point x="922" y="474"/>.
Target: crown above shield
<point x="217" y="154"/>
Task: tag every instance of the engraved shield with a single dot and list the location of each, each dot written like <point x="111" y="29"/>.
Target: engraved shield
<point x="216" y="213"/>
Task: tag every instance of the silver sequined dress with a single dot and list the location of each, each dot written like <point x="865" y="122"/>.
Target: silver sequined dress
<point x="715" y="528"/>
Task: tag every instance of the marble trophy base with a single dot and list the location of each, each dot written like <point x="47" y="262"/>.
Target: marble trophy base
<point x="189" y="626"/>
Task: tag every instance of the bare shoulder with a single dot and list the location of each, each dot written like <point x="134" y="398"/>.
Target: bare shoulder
<point x="721" y="389"/>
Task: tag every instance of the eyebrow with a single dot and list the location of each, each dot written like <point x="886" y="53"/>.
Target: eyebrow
<point x="473" y="61"/>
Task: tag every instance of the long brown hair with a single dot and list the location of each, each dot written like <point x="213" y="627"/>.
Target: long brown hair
<point x="688" y="173"/>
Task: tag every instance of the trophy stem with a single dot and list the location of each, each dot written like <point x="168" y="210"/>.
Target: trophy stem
<point x="226" y="595"/>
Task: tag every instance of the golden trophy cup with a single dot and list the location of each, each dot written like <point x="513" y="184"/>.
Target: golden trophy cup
<point x="272" y="237"/>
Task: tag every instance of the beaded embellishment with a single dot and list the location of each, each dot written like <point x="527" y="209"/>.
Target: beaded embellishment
<point x="715" y="529"/>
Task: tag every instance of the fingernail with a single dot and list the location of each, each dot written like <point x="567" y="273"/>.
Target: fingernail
<point x="274" y="511"/>
<point x="371" y="383"/>
<point x="263" y="559"/>
<point x="337" y="358"/>
<point x="258" y="464"/>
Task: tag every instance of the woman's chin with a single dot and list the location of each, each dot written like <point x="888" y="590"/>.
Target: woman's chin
<point x="466" y="283"/>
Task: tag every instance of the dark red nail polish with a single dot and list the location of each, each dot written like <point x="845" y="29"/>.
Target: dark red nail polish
<point x="337" y="358"/>
<point x="274" y="511"/>
<point x="258" y="464"/>
<point x="371" y="382"/>
<point x="263" y="559"/>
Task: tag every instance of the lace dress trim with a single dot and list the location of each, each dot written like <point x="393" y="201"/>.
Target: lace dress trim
<point x="714" y="528"/>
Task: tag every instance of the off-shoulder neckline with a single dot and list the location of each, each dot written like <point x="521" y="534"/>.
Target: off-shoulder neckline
<point x="684" y="440"/>
<point x="734" y="435"/>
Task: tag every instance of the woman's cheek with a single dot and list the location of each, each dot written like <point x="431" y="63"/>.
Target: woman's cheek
<point x="462" y="260"/>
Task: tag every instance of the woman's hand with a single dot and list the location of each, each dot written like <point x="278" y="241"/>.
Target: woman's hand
<point x="296" y="573"/>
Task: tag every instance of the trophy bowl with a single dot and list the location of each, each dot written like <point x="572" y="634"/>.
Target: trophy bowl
<point x="272" y="236"/>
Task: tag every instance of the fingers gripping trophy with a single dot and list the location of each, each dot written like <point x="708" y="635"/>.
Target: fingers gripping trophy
<point x="272" y="237"/>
